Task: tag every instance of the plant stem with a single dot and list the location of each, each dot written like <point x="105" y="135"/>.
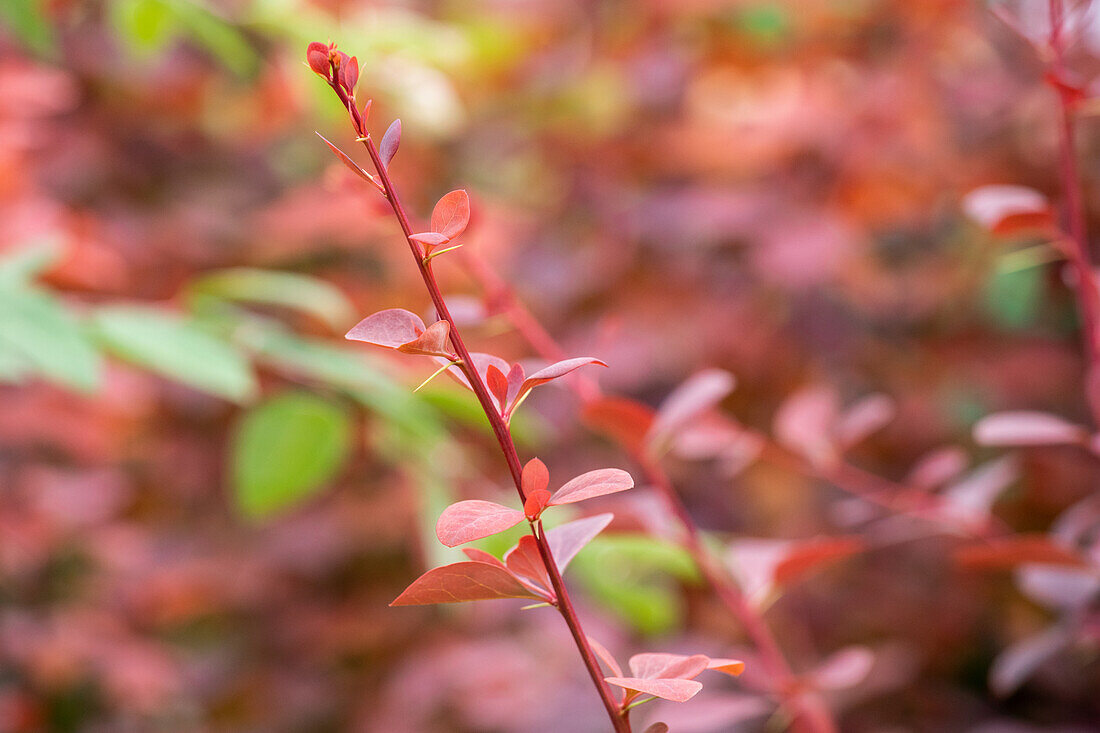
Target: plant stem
<point x="500" y="428"/>
<point x="1088" y="294"/>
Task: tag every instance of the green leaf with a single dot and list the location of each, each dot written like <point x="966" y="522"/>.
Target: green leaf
<point x="37" y="332"/>
<point x="176" y="348"/>
<point x="285" y="451"/>
<point x="20" y="265"/>
<point x="1013" y="297"/>
<point x="306" y="294"/>
<point x="27" y="21"/>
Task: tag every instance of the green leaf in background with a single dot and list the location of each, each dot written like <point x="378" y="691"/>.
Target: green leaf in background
<point x="176" y="348"/>
<point x="285" y="451"/>
<point x="27" y="21"/>
<point x="19" y="266"/>
<point x="39" y="333"/>
<point x="1013" y="297"/>
<point x="299" y="292"/>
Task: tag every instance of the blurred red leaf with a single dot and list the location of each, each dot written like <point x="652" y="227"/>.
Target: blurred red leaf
<point x="1027" y="428"/>
<point x="843" y="669"/>
<point x="1008" y="552"/>
<point x="463" y="581"/>
<point x="390" y="328"/>
<point x="591" y="484"/>
<point x="805" y="423"/>
<point x="451" y="214"/>
<point x="1005" y="209"/>
<point x="698" y="393"/>
<point x="657" y="728"/>
<point x="466" y="521"/>
<point x="866" y="416"/>
<point x="804" y="557"/>
<point x="625" y="421"/>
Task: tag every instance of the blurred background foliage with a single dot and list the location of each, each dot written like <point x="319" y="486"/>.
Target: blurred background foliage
<point x="209" y="499"/>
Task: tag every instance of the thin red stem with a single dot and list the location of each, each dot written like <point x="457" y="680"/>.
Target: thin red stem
<point x="1088" y="294"/>
<point x="500" y="429"/>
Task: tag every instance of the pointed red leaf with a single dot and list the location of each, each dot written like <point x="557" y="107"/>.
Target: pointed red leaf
<point x="482" y="556"/>
<point x="536" y="502"/>
<point x="657" y="728"/>
<point x="481" y="364"/>
<point x="1024" y="427"/>
<point x="346" y="159"/>
<point x="625" y="421"/>
<point x="865" y="417"/>
<point x="390" y="328"/>
<point x="497" y="384"/>
<point x="732" y="667"/>
<point x="937" y="468"/>
<point x="429" y="239"/>
<point x="1008" y="552"/>
<point x="467" y="521"/>
<point x="843" y="669"/>
<point x="433" y="342"/>
<point x="525" y="562"/>
<point x="554" y="371"/>
<point x="675" y="690"/>
<point x="390" y="142"/>
<point x="570" y="538"/>
<point x="535" y="477"/>
<point x="699" y="393"/>
<point x="804" y="423"/>
<point x="451" y="215"/>
<point x="515" y="381"/>
<point x="350" y="74"/>
<point x="605" y="656"/>
<point x="463" y="581"/>
<point x="651" y="666"/>
<point x="594" y="483"/>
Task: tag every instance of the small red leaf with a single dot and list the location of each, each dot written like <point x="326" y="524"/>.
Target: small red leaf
<point x="350" y="74"/>
<point x="390" y="328"/>
<point x="536" y="502"/>
<point x="844" y="669"/>
<point x="433" y="342"/>
<point x="554" y="371"/>
<point x="515" y="381"/>
<point x="535" y="476"/>
<point x="525" y="562"/>
<point x="317" y="57"/>
<point x="467" y="521"/>
<point x="732" y="667"/>
<point x="605" y="656"/>
<point x="1008" y="552"/>
<point x="429" y="239"/>
<point x="675" y="690"/>
<point x="806" y="556"/>
<point x="651" y="666"/>
<point x="346" y="159"/>
<point x="497" y="384"/>
<point x="657" y="728"/>
<point x="865" y="417"/>
<point x="463" y="581"/>
<point x="594" y="483"/>
<point x="937" y="468"/>
<point x="625" y="421"/>
<point x="804" y="423"/>
<point x="570" y="538"/>
<point x="452" y="214"/>
<point x="480" y="363"/>
<point x="482" y="556"/>
<point x="390" y="142"/>
<point x="1027" y="428"/>
<point x="699" y="393"/>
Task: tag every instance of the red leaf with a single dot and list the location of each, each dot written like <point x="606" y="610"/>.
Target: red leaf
<point x="346" y="159"/>
<point x="433" y="342"/>
<point x="732" y="667"/>
<point x="651" y="666"/>
<point x="554" y="371"/>
<point x="350" y="74"/>
<point x="625" y="421"/>
<point x="937" y="468"/>
<point x="805" y="556"/>
<point x="675" y="690"/>
<point x="1008" y="552"/>
<point x="570" y="538"/>
<point x="429" y="239"/>
<point x="1018" y="662"/>
<point x="1027" y="428"/>
<point x="657" y="728"/>
<point x="699" y="393"/>
<point x="844" y="669"/>
<point x="535" y="476"/>
<point x="1006" y="209"/>
<point x="463" y="581"/>
<point x="515" y="381"/>
<point x="805" y="422"/>
<point x="317" y="57"/>
<point x="390" y="328"/>
<point x="482" y="556"/>
<point x="467" y="521"/>
<point x="605" y="656"/>
<point x="451" y="215"/>
<point x="497" y="384"/>
<point x="971" y="499"/>
<point x="536" y="502"/>
<point x="390" y="142"/>
<point x="525" y="562"/>
<point x="594" y="483"/>
<point x="480" y="363"/>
